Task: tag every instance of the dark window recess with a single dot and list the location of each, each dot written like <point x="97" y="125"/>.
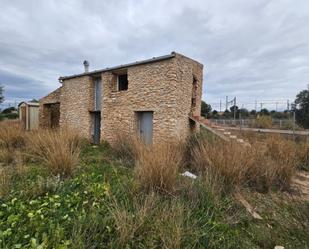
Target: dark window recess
<point x="194" y="93"/>
<point x="123" y="82"/>
<point x="193" y="102"/>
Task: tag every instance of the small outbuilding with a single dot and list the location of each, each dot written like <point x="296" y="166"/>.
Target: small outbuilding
<point x="29" y="115"/>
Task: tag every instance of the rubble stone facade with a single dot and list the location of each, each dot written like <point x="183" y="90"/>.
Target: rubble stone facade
<point x="171" y="88"/>
<point x="49" y="110"/>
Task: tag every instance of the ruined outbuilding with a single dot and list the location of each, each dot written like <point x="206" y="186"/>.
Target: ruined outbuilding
<point x="152" y="98"/>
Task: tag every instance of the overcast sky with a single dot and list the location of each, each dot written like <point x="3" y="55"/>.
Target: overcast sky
<point x="255" y="50"/>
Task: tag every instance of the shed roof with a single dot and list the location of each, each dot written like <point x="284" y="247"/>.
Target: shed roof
<point x="29" y="103"/>
<point x="154" y="59"/>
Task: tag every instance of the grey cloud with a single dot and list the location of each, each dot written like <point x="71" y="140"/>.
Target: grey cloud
<point x="250" y="49"/>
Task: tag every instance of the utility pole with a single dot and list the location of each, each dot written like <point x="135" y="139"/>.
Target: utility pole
<point x="226" y="102"/>
<point x="293" y="107"/>
<point x="261" y="106"/>
<point x="235" y="110"/>
<point x="255" y="105"/>
<point x="288" y="105"/>
<point x="240" y="121"/>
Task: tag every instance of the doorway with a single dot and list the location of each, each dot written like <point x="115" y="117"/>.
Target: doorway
<point x="145" y="126"/>
<point x="96" y="127"/>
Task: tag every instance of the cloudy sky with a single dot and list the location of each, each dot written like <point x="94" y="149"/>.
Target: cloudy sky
<point x="255" y="50"/>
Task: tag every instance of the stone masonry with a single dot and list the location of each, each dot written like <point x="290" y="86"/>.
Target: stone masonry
<point x="164" y="86"/>
<point x="49" y="110"/>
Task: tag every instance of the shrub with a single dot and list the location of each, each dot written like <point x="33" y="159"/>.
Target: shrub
<point x="157" y="165"/>
<point x="11" y="115"/>
<point x="58" y="149"/>
<point x="263" y="122"/>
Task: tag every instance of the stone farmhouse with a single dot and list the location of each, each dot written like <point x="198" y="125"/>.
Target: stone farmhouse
<point x="153" y="98"/>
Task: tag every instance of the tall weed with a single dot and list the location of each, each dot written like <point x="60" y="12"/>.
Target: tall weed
<point x="12" y="139"/>
<point x="157" y="166"/>
<point x="261" y="166"/>
<point x="58" y="149"/>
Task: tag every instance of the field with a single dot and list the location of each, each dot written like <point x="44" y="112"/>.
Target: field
<point x="58" y="191"/>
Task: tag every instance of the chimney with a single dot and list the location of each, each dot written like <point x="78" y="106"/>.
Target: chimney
<point x="86" y="66"/>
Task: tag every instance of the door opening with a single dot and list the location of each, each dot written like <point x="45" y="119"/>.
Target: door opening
<point x="145" y="126"/>
<point x="96" y="117"/>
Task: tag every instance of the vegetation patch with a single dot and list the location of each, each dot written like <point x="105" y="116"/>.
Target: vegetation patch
<point x="75" y="195"/>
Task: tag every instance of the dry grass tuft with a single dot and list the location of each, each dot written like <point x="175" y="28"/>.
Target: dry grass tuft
<point x="58" y="149"/>
<point x="162" y="220"/>
<point x="11" y="140"/>
<point x="5" y="181"/>
<point x="263" y="122"/>
<point x="282" y="153"/>
<point x="157" y="166"/>
<point x="6" y="176"/>
<point x="124" y="147"/>
<point x="303" y="154"/>
<point x="226" y="166"/>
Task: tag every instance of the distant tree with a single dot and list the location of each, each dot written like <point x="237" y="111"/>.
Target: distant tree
<point x="227" y="114"/>
<point x="302" y="109"/>
<point x="253" y="112"/>
<point x="214" y="114"/>
<point x="205" y="109"/>
<point x="278" y="115"/>
<point x="9" y="110"/>
<point x="1" y="94"/>
<point x="234" y="107"/>
<point x="244" y="112"/>
<point x="264" y="111"/>
<point x="34" y="101"/>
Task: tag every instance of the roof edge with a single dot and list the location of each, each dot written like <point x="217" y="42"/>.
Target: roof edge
<point x="154" y="59"/>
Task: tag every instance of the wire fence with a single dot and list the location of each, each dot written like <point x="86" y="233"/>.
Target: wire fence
<point x="287" y="124"/>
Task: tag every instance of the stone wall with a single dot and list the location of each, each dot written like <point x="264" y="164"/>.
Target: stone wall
<point x="48" y="105"/>
<point x="76" y="104"/>
<point x="152" y="87"/>
<point x="163" y="87"/>
<point x="188" y="71"/>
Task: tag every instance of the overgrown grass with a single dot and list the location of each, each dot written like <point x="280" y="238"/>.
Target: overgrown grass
<point x="157" y="166"/>
<point x="12" y="139"/>
<point x="124" y="148"/>
<point x="58" y="149"/>
<point x="101" y="207"/>
<point x="264" y="122"/>
<point x="261" y="165"/>
<point x="303" y="154"/>
<point x="106" y="205"/>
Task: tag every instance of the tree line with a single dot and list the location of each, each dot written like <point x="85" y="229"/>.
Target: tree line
<point x="301" y="109"/>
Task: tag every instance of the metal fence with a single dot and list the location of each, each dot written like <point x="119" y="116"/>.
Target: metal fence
<point x="276" y="123"/>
